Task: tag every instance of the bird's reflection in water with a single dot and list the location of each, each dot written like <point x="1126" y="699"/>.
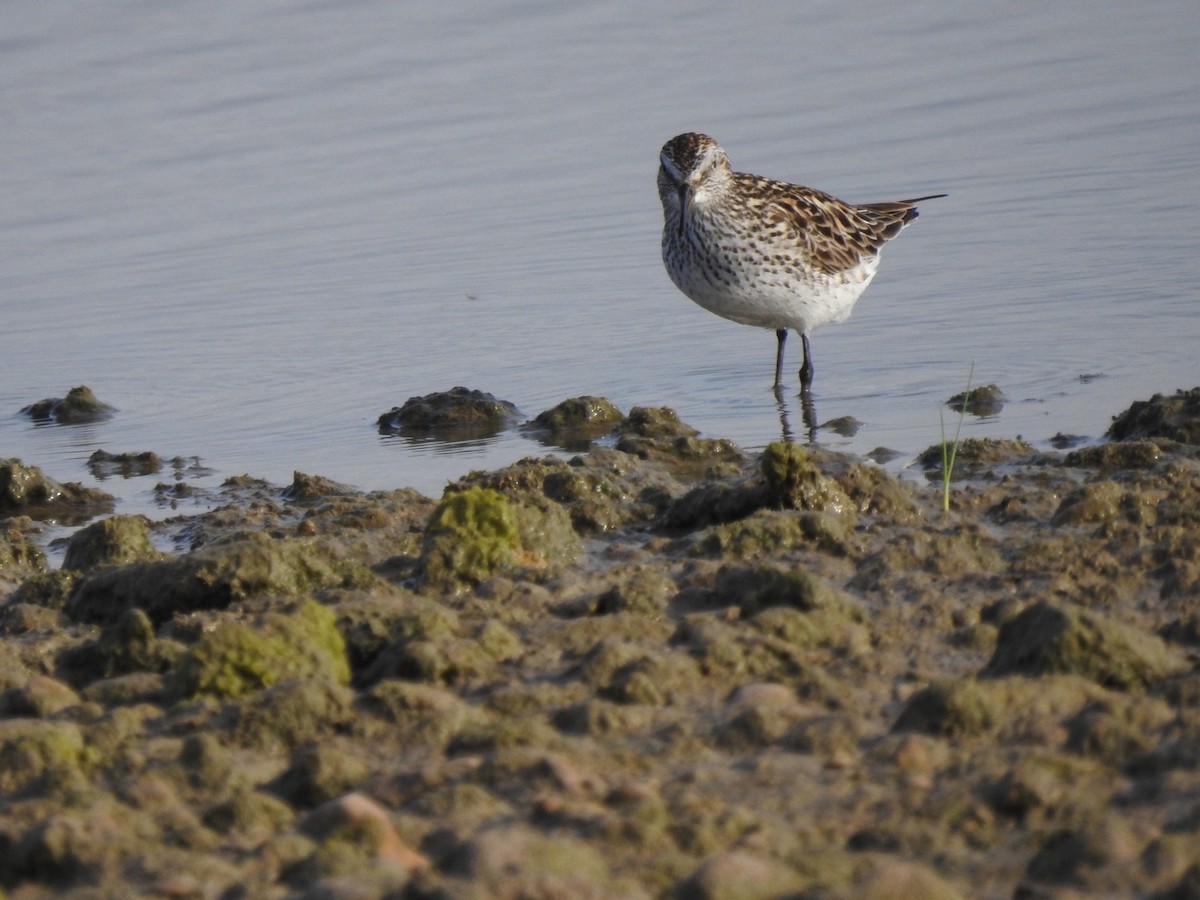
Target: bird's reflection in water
<point x="808" y="415"/>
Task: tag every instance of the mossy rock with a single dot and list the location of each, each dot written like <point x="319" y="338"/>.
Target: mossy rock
<point x="769" y="531"/>
<point x="1176" y="417"/>
<point x="290" y="714"/>
<point x="1047" y="638"/>
<point x="127" y="645"/>
<point x="113" y="541"/>
<point x="19" y="558"/>
<point x="30" y="491"/>
<point x="658" y="435"/>
<point x="875" y="492"/>
<point x="575" y="423"/>
<point x="477" y="532"/>
<point x="795" y="481"/>
<point x="40" y="754"/>
<point x="238" y="658"/>
<point x="973" y="707"/>
<point x="1089" y="504"/>
<point x="418" y="715"/>
<point x="321" y="770"/>
<point x="50" y="589"/>
<point x="446" y="658"/>
<point x="103" y="464"/>
<point x="213" y="578"/>
<point x="79" y="407"/>
<point x="977" y="453"/>
<point x="711" y="503"/>
<point x="645" y="591"/>
<point x="738" y="875"/>
<point x="954" y="708"/>
<point x="1068" y="855"/>
<point x="1123" y="456"/>
<point x="755" y="588"/>
<point x="659" y="423"/>
<point x="516" y="861"/>
<point x="985" y="400"/>
<point x="456" y="414"/>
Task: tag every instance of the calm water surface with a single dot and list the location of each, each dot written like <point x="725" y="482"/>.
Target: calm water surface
<point x="255" y="227"/>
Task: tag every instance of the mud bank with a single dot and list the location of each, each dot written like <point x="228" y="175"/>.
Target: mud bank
<point x="659" y="668"/>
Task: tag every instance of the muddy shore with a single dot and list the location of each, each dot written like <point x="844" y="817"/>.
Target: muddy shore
<point x="651" y="665"/>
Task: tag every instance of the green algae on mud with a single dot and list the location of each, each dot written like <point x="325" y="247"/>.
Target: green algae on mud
<point x="662" y="667"/>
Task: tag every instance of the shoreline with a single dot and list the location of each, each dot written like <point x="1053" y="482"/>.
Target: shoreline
<point x="659" y="668"/>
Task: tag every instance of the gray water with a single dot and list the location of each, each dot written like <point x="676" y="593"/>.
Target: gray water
<point x="253" y="227"/>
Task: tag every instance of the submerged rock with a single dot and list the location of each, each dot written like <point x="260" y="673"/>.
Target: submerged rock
<point x="103" y="464"/>
<point x="575" y="423"/>
<point x="982" y="401"/>
<point x="79" y="407"/>
<point x="454" y="415"/>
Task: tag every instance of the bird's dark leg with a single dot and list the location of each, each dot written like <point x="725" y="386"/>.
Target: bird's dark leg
<point x="806" y="370"/>
<point x="781" y="336"/>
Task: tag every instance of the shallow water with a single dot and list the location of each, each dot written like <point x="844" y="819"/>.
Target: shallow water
<point x="254" y="229"/>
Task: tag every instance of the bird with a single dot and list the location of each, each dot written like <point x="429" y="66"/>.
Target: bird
<point x="767" y="253"/>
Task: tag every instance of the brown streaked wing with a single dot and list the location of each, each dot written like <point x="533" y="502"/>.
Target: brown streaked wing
<point x="836" y="236"/>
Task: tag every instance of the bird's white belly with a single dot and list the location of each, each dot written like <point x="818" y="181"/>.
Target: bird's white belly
<point x="776" y="297"/>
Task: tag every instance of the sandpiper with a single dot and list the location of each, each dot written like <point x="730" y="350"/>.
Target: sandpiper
<point x="765" y="252"/>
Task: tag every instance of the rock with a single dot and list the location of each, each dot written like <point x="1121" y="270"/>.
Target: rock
<point x="795" y="481"/>
<point x="358" y="819"/>
<point x="644" y="590"/>
<point x="103" y="464"/>
<point x="79" y="407"/>
<point x="291" y="713"/>
<point x="737" y="875"/>
<point x="1125" y="455"/>
<point x="307" y="488"/>
<point x="29" y="491"/>
<point x="575" y="423"/>
<point x="657" y="434"/>
<point x="459" y="414"/>
<point x="112" y="542"/>
<point x="41" y="696"/>
<point x="985" y="400"/>
<point x="42" y="754"/>
<point x="1069" y="855"/>
<point x="961" y="707"/>
<point x="1176" y="417"/>
<point x="977" y="453"/>
<point x="321" y="771"/>
<point x="510" y="861"/>
<point x="894" y="879"/>
<point x="211" y="578"/>
<point x="237" y="658"/>
<point x="478" y="532"/>
<point x="19" y="558"/>
<point x="126" y="645"/>
<point x="1048" y="638"/>
<point x="753" y="588"/>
